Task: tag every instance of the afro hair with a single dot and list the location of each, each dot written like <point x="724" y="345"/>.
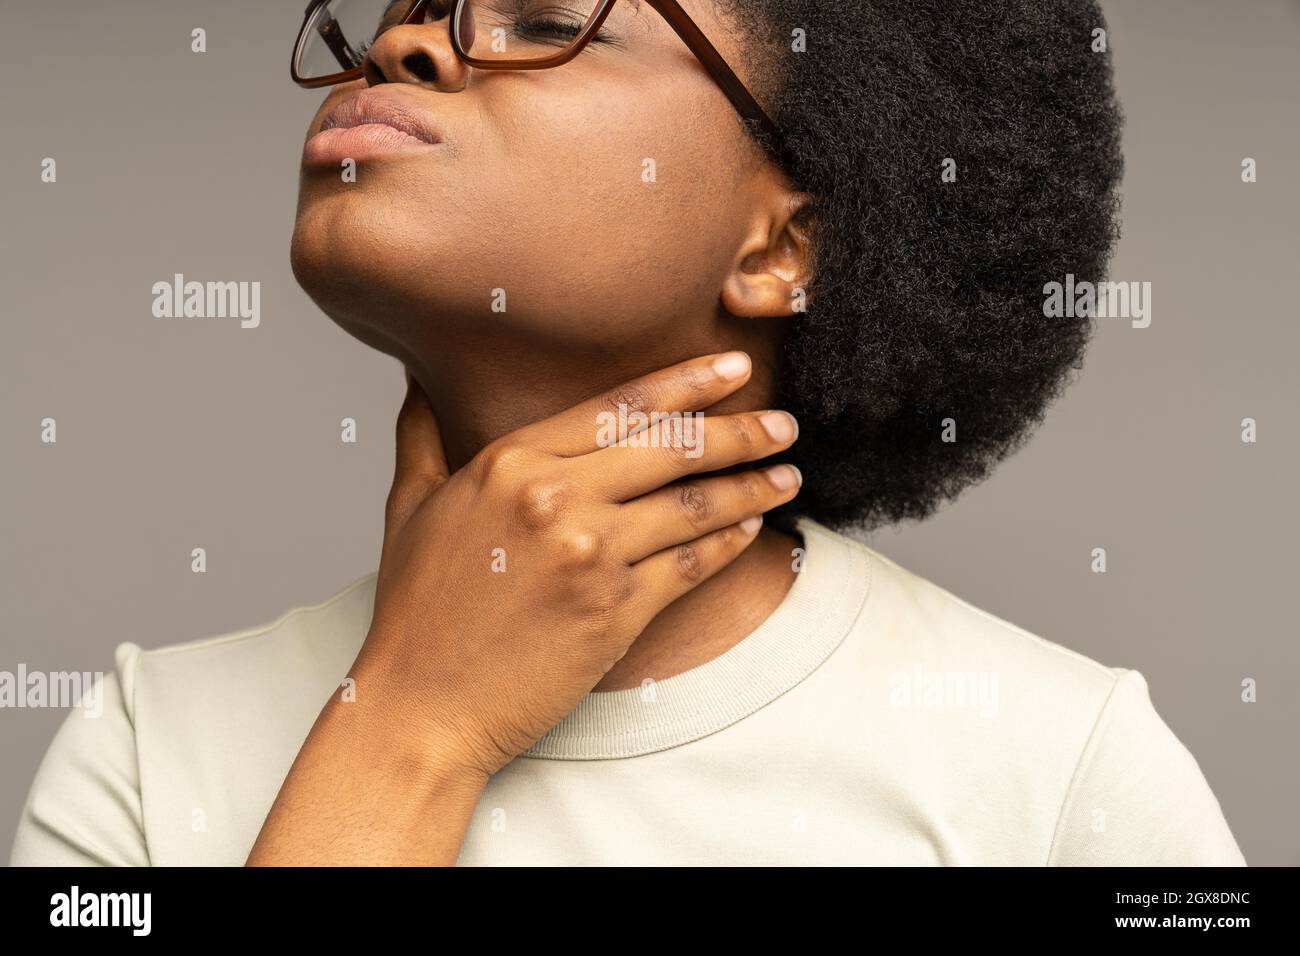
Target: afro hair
<point x="927" y="298"/>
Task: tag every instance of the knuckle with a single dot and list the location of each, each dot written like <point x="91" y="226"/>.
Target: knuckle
<point x="748" y="488"/>
<point x="678" y="455"/>
<point x="502" y="460"/>
<point x="743" y="430"/>
<point x="696" y="503"/>
<point x="634" y="396"/>
<point x="689" y="563"/>
<point x="694" y="381"/>
<point x="540" y="503"/>
<point x="582" y="549"/>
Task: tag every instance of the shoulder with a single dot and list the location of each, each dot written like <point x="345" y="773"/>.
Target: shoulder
<point x="84" y="808"/>
<point x="910" y="626"/>
<point x="170" y="717"/>
<point x="303" y="646"/>
<point x="1017" y="723"/>
<point x="1138" y="796"/>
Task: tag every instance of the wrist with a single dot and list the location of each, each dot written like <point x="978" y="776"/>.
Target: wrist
<point x="407" y="747"/>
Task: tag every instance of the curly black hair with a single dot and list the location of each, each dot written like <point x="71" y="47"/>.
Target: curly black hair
<point x="927" y="300"/>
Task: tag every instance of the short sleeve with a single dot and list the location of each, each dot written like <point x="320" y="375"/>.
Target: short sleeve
<point x="84" y="806"/>
<point x="1138" y="797"/>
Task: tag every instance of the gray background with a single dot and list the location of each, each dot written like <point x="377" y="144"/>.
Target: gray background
<point x="181" y="434"/>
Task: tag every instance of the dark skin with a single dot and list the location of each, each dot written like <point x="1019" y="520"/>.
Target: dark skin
<point x="623" y="563"/>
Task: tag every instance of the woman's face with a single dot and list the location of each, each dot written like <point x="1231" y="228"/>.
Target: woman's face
<point x="596" y="203"/>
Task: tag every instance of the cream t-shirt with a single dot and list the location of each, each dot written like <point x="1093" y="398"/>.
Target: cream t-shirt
<point x="873" y="718"/>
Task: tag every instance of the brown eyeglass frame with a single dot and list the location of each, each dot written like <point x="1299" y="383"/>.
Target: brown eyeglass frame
<point x="670" y="10"/>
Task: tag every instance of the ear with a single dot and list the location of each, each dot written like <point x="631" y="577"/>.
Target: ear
<point x="773" y="267"/>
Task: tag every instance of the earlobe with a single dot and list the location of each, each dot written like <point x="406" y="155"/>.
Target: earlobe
<point x="774" y="267"/>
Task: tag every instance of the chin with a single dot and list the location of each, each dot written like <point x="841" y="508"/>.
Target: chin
<point x="360" y="267"/>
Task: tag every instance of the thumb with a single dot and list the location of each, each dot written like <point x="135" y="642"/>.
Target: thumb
<point x="421" y="462"/>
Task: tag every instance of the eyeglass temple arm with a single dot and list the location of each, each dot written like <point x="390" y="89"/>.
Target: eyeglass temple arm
<point x="708" y="54"/>
<point x="332" y="34"/>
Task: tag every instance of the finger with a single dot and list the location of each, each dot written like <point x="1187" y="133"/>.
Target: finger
<point x="421" y="462"/>
<point x="666" y="575"/>
<point x="690" y="509"/>
<point x="687" y="386"/>
<point x="685" y="445"/>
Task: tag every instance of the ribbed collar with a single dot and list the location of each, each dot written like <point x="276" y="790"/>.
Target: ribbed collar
<point x="813" y="619"/>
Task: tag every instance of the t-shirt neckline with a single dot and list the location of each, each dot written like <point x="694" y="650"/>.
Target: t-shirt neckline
<point x="812" y="620"/>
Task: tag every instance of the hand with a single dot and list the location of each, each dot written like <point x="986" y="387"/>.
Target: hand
<point x="507" y="590"/>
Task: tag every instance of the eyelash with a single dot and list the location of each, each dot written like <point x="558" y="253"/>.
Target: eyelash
<point x="565" y="31"/>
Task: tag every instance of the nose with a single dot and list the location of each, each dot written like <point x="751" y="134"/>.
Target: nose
<point x="419" y="52"/>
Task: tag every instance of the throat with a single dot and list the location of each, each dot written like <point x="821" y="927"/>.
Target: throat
<point x="716" y="616"/>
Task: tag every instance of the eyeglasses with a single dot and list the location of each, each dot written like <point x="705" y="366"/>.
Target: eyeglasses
<point x="494" y="35"/>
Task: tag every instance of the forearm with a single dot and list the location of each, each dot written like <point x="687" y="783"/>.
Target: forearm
<point x="366" y="791"/>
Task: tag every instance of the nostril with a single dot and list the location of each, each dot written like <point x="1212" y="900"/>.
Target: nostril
<point x="421" y="66"/>
<point x="374" y="75"/>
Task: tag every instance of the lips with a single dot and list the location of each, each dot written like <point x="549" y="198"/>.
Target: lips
<point x="371" y="126"/>
<point x="379" y="108"/>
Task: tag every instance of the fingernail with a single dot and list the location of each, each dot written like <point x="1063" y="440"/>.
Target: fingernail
<point x="784" y="477"/>
<point x="781" y="426"/>
<point x="731" y="366"/>
<point x="751" y="525"/>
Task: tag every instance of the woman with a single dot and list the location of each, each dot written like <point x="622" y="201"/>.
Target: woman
<point x="579" y="225"/>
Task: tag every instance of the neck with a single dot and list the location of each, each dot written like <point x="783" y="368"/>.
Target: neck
<point x="481" y="394"/>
